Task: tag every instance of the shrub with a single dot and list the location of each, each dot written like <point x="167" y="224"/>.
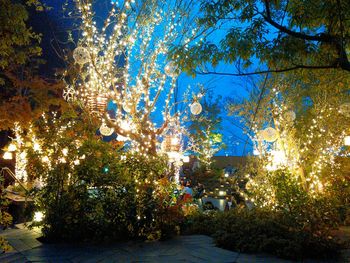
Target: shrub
<point x="5" y="217"/>
<point x="107" y="195"/>
<point x="261" y="231"/>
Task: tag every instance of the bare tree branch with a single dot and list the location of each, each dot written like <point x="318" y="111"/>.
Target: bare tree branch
<point x="265" y="71"/>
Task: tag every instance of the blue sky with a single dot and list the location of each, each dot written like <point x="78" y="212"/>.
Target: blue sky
<point x="225" y="86"/>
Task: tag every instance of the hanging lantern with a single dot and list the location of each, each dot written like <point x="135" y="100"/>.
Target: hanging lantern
<point x="347" y="140"/>
<point x="101" y="103"/>
<point x="7" y="156"/>
<point x="186" y="159"/>
<point x="270" y="134"/>
<point x="81" y="55"/>
<point x="171" y="69"/>
<point x="289" y="116"/>
<point x="345" y="109"/>
<point x="12" y="147"/>
<point x="105" y="130"/>
<point x="196" y="108"/>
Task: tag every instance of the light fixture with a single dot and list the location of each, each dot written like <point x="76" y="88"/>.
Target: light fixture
<point x="270" y="134"/>
<point x="38" y="216"/>
<point x="170" y="69"/>
<point x="289" y="116"/>
<point x="196" y="108"/>
<point x="186" y="159"/>
<point x="81" y="55"/>
<point x="105" y="130"/>
<point x="347" y="140"/>
<point x="12" y="147"/>
<point x="222" y="193"/>
<point x="7" y="156"/>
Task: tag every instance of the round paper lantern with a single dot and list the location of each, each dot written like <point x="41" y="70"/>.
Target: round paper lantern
<point x="171" y="69"/>
<point x="345" y="109"/>
<point x="289" y="116"/>
<point x="196" y="108"/>
<point x="81" y="55"/>
<point x="105" y="130"/>
<point x="270" y="134"/>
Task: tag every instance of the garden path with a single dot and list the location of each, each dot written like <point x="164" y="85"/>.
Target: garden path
<point x="195" y="248"/>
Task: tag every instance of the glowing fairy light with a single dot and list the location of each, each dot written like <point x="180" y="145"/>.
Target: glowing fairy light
<point x="144" y="81"/>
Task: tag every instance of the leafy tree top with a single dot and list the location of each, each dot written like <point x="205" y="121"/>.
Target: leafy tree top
<point x="284" y="34"/>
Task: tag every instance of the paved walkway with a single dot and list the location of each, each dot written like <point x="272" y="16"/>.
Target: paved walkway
<point x="196" y="248"/>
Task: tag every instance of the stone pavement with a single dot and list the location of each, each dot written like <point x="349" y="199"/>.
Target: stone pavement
<point x="195" y="248"/>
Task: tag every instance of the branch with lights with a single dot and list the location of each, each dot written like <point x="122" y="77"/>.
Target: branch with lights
<point x="124" y="65"/>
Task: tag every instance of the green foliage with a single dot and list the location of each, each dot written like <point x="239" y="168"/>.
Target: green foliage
<point x="287" y="196"/>
<point x="204" y="129"/>
<point x="95" y="191"/>
<point x="284" y="35"/>
<point x="262" y="231"/>
<point x="24" y="94"/>
<point x="18" y="42"/>
<point x="5" y="217"/>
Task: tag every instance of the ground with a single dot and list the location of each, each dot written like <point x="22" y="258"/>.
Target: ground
<point x="195" y="248"/>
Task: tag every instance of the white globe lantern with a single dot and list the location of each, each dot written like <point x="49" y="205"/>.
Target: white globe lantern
<point x="345" y="109"/>
<point x="270" y="134"/>
<point x="12" y="147"/>
<point x="171" y="69"/>
<point x="196" y="108"/>
<point x="105" y="130"/>
<point x="81" y="55"/>
<point x="289" y="116"/>
<point x="7" y="156"/>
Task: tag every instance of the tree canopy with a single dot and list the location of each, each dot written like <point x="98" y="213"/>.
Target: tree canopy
<point x="24" y="93"/>
<point x="284" y="35"/>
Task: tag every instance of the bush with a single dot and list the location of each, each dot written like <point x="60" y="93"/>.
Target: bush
<point x="262" y="231"/>
<point x="5" y="217"/>
<point x="107" y="195"/>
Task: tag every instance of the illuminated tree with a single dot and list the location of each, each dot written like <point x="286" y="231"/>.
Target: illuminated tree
<point x="125" y="63"/>
<point x="203" y="132"/>
<point x="299" y="127"/>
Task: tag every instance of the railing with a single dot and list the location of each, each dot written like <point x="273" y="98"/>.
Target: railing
<point x="7" y="170"/>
